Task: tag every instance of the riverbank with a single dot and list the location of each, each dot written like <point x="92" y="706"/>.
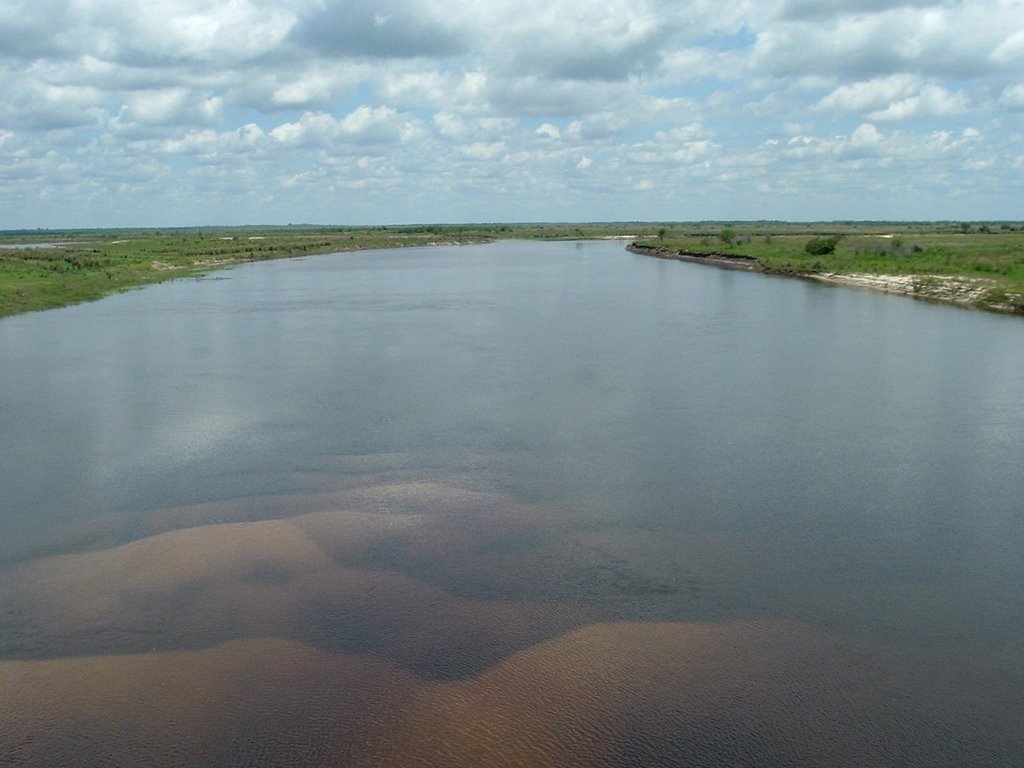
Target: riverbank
<point x="952" y="290"/>
<point x="979" y="273"/>
<point x="715" y="258"/>
<point x="50" y="269"/>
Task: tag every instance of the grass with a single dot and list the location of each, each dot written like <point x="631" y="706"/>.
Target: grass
<point x="88" y="265"/>
<point x="989" y="258"/>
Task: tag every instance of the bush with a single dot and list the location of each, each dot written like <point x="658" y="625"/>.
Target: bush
<point x="821" y="246"/>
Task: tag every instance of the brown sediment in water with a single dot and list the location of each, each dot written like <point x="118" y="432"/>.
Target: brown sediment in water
<point x="375" y="495"/>
<point x="744" y="693"/>
<point x="406" y="620"/>
<point x="199" y="586"/>
<point x="368" y="483"/>
<point x="248" y="702"/>
<point x="445" y="581"/>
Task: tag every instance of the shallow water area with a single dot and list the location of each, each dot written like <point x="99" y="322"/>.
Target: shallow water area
<point x="524" y="504"/>
<point x="31" y="246"/>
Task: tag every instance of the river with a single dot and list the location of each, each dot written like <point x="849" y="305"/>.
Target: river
<point x="519" y="503"/>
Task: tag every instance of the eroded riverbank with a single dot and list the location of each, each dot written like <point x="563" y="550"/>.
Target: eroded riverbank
<point x="973" y="293"/>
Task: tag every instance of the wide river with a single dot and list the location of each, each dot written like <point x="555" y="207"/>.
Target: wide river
<point x="513" y="504"/>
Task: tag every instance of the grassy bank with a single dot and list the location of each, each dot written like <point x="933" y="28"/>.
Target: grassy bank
<point x="977" y="265"/>
<point x="48" y="269"/>
<point x="53" y="269"/>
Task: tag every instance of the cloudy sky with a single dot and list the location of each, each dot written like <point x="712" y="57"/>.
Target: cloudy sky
<point x="193" y="112"/>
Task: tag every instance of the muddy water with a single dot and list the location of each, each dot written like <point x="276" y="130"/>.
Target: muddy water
<point x="523" y="504"/>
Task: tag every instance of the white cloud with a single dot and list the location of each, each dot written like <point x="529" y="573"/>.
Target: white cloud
<point x="479" y="150"/>
<point x="450" y="125"/>
<point x="597" y="127"/>
<point x="870" y="38"/>
<point x="366" y="120"/>
<point x="312" y="89"/>
<point x="870" y="95"/>
<point x="894" y="98"/>
<point x="566" y="40"/>
<point x="932" y="101"/>
<point x="364" y="125"/>
<point x="1012" y="97"/>
<point x="700" y="64"/>
<point x="419" y="109"/>
<point x="171" y="106"/>
<point x="1010" y="50"/>
<point x="866" y="135"/>
<point x="547" y="130"/>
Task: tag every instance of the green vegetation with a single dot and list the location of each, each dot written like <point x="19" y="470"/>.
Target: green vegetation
<point x="86" y="265"/>
<point x="977" y="264"/>
<point x="821" y="246"/>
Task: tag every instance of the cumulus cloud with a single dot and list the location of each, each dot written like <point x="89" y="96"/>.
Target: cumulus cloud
<point x="364" y="125"/>
<point x="463" y="91"/>
<point x="931" y="101"/>
<point x="1011" y="50"/>
<point x="479" y="150"/>
<point x="535" y="96"/>
<point x="425" y="107"/>
<point x="1012" y="97"/>
<point x="870" y="95"/>
<point x="895" y="98"/>
<point x="572" y="44"/>
<point x="549" y="131"/>
<point x="32" y="104"/>
<point x="382" y="30"/>
<point x="171" y="106"/>
<point x="817" y="10"/>
<point x="937" y="39"/>
<point x="23" y="31"/>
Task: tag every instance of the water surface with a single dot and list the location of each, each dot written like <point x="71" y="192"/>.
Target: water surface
<point x="525" y="502"/>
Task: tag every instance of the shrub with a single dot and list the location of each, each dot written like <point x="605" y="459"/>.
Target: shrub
<point x="821" y="246"/>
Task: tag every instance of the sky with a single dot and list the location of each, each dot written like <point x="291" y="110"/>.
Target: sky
<point x="115" y="113"/>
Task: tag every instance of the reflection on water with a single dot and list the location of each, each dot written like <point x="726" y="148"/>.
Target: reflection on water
<point x="556" y="506"/>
